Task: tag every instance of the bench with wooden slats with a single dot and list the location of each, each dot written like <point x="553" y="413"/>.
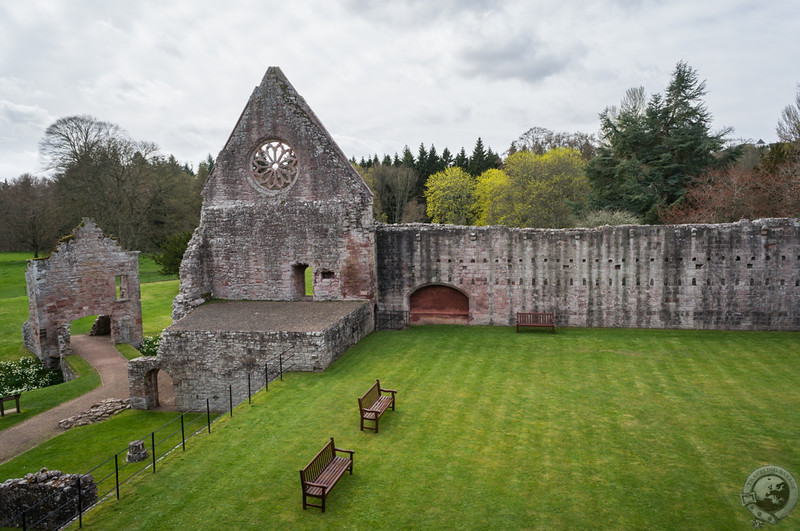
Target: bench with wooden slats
<point x="536" y="319"/>
<point x="373" y="404"/>
<point x="320" y="475"/>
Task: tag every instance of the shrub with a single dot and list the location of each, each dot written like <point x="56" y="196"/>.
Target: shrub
<point x="150" y="345"/>
<point x="26" y="374"/>
<point x="598" y="218"/>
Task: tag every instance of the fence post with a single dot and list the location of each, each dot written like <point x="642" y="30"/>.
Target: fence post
<point x="208" y="415"/>
<point x="266" y="377"/>
<point x="24" y="523"/>
<point x="280" y="361"/>
<point x="183" y="433"/>
<point x="248" y="388"/>
<point x="116" y="472"/>
<point x="230" y="398"/>
<point x="153" y="447"/>
<point x="80" y="502"/>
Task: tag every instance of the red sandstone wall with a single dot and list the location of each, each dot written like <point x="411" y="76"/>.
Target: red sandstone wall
<point x="742" y="275"/>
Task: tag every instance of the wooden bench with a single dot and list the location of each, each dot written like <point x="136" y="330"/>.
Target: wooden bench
<point x="320" y="475"/>
<point x="372" y="405"/>
<point x="3" y="400"/>
<point x="536" y="319"/>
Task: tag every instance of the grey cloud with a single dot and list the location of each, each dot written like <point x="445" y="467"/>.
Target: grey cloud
<point x="522" y="56"/>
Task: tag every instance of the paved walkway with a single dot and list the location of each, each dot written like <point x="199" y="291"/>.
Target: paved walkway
<point x="113" y="369"/>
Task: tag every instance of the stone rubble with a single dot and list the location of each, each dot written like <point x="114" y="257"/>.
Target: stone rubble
<point x="97" y="413"/>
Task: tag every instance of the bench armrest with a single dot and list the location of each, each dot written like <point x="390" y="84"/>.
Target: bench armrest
<point x="387" y="390"/>
<point x="312" y="484"/>
<point x="367" y="410"/>
<point x="351" y="452"/>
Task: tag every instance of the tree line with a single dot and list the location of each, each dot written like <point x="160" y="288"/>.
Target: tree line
<point x="127" y="187"/>
<point x="654" y="160"/>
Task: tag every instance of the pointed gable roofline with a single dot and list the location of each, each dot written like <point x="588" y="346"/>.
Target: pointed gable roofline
<point x="275" y="111"/>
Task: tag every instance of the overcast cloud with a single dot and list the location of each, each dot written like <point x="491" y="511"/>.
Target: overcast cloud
<point x="381" y="75"/>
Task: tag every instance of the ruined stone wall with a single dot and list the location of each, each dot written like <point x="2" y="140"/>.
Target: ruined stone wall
<point x="743" y="275"/>
<point x="49" y="499"/>
<point x="87" y="274"/>
<point x="204" y="363"/>
<point x="256" y="237"/>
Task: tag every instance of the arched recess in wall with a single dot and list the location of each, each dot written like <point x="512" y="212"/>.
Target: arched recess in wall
<point x="438" y="304"/>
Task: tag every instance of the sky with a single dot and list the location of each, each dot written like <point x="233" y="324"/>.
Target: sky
<point x="382" y="74"/>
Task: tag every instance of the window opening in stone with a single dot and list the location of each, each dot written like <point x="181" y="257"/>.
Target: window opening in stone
<point x="327" y="275"/>
<point x="273" y="165"/>
<point x="121" y="287"/>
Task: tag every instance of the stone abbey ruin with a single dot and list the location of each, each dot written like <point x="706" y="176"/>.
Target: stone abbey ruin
<point x="87" y="274"/>
<point x="283" y="197"/>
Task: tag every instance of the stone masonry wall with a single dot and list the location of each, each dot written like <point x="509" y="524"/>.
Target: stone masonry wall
<point x="204" y="363"/>
<point x="742" y="275"/>
<point x="253" y="242"/>
<point x="87" y="274"/>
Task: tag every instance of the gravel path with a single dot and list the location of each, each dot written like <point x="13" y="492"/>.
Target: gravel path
<point x="113" y="369"/>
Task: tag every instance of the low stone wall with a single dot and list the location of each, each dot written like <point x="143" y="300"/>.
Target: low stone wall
<point x="50" y="496"/>
<point x="204" y="364"/>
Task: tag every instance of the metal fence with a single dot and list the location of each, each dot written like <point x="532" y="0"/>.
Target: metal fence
<point x="391" y="320"/>
<point x="113" y="473"/>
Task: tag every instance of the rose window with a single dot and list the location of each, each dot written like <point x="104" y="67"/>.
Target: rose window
<point x="274" y="165"/>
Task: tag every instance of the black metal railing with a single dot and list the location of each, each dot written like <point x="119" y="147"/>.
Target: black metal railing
<point x="116" y="471"/>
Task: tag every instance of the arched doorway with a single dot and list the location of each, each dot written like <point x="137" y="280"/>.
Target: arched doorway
<point x="302" y="282"/>
<point x="438" y="304"/>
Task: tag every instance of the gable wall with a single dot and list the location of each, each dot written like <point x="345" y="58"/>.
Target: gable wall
<point x="250" y="239"/>
<point x="77" y="280"/>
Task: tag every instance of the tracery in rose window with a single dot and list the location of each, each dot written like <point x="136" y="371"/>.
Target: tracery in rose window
<point x="274" y="165"/>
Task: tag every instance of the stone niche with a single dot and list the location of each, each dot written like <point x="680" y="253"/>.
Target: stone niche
<point x="87" y="274"/>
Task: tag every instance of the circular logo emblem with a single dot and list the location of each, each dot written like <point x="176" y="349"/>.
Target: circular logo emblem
<point x="273" y="166"/>
<point x="770" y="493"/>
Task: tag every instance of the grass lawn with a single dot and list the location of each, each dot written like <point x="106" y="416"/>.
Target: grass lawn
<point x="585" y="429"/>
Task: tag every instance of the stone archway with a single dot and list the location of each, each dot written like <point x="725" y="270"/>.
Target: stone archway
<point x="438" y="304"/>
<point x="151" y="387"/>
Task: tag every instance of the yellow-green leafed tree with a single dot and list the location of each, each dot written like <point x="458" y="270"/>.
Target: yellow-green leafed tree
<point x="549" y="190"/>
<point x="493" y="198"/>
<point x="450" y="195"/>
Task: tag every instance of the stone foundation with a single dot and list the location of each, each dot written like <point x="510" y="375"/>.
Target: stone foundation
<point x="104" y="410"/>
<point x="218" y="344"/>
